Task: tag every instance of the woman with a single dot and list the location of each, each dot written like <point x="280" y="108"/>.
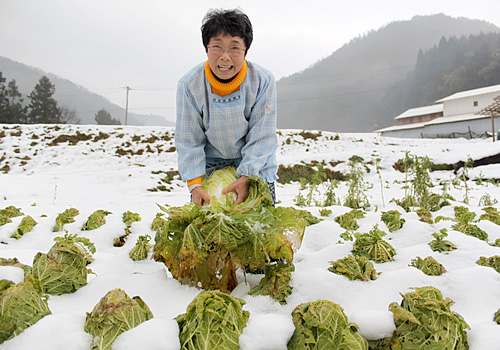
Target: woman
<point x="226" y="110"/>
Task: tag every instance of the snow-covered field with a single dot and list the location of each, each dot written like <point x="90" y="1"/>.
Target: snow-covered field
<point x="118" y="169"/>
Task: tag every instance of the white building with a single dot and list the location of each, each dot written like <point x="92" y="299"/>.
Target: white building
<point x="452" y="116"/>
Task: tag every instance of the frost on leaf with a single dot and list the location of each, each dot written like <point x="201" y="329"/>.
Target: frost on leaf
<point x="323" y="325"/>
<point x="213" y="320"/>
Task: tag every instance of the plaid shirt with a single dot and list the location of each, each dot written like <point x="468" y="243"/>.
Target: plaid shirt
<point x="239" y="126"/>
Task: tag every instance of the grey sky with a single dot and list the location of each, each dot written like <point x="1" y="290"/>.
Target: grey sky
<point x="104" y="45"/>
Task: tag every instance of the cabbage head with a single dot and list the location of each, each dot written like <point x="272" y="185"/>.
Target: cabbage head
<point x="64" y="268"/>
<point x="323" y="325"/>
<point x="114" y="314"/>
<point x="213" y="320"/>
<point x="425" y="321"/>
<point x="203" y="246"/>
<point x="21" y="306"/>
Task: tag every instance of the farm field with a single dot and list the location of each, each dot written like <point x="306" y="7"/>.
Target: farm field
<point x="47" y="169"/>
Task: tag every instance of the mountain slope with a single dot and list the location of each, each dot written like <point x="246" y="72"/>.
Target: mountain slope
<point x="344" y="91"/>
<point x="75" y="97"/>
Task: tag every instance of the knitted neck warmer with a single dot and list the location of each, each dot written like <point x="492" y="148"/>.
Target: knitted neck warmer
<point x="223" y="89"/>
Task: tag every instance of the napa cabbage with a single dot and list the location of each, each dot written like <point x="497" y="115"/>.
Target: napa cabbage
<point x="64" y="268"/>
<point x="323" y="325"/>
<point x="213" y="320"/>
<point x="21" y="306"/>
<point x="203" y="246"/>
<point x="114" y="314"/>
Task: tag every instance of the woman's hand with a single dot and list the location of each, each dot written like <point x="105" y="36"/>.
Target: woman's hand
<point x="199" y="196"/>
<point x="240" y="186"/>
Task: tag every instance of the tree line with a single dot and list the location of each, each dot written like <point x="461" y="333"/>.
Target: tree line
<point x="41" y="107"/>
<point x="454" y="65"/>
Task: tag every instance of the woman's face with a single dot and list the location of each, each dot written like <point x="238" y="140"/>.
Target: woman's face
<point x="226" y="55"/>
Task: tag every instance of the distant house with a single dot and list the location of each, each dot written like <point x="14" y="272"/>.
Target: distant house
<point x="453" y="116"/>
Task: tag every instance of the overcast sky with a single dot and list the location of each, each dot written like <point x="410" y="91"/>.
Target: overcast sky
<point x="105" y="45"/>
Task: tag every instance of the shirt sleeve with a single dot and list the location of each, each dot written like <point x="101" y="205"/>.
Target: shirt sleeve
<point x="190" y="137"/>
<point x="259" y="151"/>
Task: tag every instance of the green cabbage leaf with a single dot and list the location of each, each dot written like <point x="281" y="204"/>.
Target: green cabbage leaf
<point x="203" y="246"/>
<point x="64" y="268"/>
<point x="213" y="320"/>
<point x="424" y="320"/>
<point x="323" y="325"/>
<point x="21" y="306"/>
<point x="114" y="314"/>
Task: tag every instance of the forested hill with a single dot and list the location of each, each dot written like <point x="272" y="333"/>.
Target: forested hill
<point x="351" y="90"/>
<point x="455" y="64"/>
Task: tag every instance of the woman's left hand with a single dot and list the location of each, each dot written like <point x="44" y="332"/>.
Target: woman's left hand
<point x="240" y="186"/>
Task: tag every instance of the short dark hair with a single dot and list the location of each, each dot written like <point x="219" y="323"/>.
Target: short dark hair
<point x="232" y="22"/>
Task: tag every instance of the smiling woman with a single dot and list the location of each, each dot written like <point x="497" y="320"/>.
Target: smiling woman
<point x="226" y="110"/>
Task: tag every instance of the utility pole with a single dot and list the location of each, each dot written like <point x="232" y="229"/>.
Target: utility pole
<point x="126" y="105"/>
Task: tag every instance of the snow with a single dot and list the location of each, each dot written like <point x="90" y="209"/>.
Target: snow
<point x="44" y="180"/>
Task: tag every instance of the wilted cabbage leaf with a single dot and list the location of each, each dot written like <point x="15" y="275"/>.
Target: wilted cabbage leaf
<point x="66" y="217"/>
<point x="348" y="220"/>
<point x="115" y="313"/>
<point x="141" y="249"/>
<point x="213" y="320"/>
<point x="354" y="268"/>
<point x="393" y="220"/>
<point x="21" y="306"/>
<point x="491" y="214"/>
<point x="425" y="321"/>
<point x="466" y="223"/>
<point x="493" y="262"/>
<point x="323" y="325"/>
<point x="440" y="244"/>
<point x="429" y="266"/>
<point x="203" y="246"/>
<point x="64" y="268"/>
<point x="26" y="225"/>
<point x="128" y="219"/>
<point x="276" y="282"/>
<point x="95" y="220"/>
<point x="15" y="263"/>
<point x="7" y="213"/>
<point x="496" y="318"/>
<point x="372" y="246"/>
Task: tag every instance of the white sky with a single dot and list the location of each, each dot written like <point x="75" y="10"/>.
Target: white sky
<point x="105" y="45"/>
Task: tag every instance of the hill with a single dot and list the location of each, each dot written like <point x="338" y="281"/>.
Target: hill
<point x="344" y="92"/>
<point x="75" y="97"/>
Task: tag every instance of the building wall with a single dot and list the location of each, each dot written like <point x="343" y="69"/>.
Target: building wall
<point x="467" y="129"/>
<point x="471" y="104"/>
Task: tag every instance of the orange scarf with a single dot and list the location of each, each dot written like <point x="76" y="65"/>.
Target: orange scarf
<point x="223" y="89"/>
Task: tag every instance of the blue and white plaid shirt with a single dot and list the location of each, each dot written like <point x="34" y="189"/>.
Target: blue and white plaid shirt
<point x="240" y="126"/>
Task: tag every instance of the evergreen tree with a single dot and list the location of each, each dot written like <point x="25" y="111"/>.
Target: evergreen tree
<point x="4" y="101"/>
<point x="11" y="107"/>
<point x="43" y="108"/>
<point x="17" y="109"/>
<point x="103" y="117"/>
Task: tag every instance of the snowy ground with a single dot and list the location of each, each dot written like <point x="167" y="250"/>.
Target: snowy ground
<point x="43" y="180"/>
